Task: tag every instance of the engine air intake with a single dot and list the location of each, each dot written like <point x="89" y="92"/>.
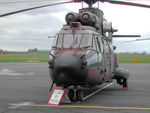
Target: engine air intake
<point x="72" y="17"/>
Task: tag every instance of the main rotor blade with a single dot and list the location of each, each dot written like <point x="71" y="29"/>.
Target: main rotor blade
<point x="125" y="3"/>
<point x="37" y="7"/>
<point x="22" y="1"/>
<point x="138" y="40"/>
<point x="127" y="36"/>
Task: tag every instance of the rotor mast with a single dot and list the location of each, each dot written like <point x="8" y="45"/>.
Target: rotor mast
<point x="89" y="2"/>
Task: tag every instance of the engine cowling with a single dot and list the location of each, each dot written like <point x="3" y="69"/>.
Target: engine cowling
<point x="85" y="18"/>
<point x="88" y="18"/>
<point x="72" y="17"/>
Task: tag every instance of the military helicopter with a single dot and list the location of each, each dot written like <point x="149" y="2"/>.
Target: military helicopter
<point x="82" y="55"/>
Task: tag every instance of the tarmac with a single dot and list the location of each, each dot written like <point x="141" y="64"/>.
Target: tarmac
<point x="24" y="88"/>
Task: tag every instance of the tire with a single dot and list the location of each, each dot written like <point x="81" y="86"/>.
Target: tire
<point x="79" y="95"/>
<point x="125" y="84"/>
<point x="119" y="81"/>
<point x="71" y="94"/>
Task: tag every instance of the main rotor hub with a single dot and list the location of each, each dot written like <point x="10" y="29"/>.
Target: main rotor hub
<point x="89" y="2"/>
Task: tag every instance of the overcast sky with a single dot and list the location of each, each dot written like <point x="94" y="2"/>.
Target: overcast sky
<point x="31" y="29"/>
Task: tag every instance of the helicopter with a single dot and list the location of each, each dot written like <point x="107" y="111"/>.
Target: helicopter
<point x="82" y="55"/>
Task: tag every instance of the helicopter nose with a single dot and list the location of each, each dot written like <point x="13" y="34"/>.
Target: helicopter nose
<point x="67" y="68"/>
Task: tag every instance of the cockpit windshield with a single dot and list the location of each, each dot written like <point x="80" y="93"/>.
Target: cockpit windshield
<point x="73" y="40"/>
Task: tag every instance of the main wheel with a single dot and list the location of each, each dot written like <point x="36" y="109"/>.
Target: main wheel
<point x="79" y="95"/>
<point x="71" y="94"/>
<point x="125" y="84"/>
<point x="119" y="81"/>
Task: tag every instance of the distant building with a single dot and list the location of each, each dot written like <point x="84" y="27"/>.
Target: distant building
<point x="3" y="52"/>
<point x="35" y="50"/>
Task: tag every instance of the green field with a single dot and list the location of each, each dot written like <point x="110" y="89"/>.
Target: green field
<point x="133" y="58"/>
<point x="22" y="60"/>
<point x="23" y="57"/>
<point x="44" y="58"/>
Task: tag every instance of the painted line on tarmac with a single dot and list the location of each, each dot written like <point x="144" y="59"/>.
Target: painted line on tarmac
<point x="90" y="107"/>
<point x="98" y="91"/>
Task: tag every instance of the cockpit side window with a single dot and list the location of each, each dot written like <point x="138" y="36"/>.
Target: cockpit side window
<point x="59" y="40"/>
<point x="98" y="44"/>
<point x="101" y="44"/>
<point x="55" y="40"/>
<point x="94" y="44"/>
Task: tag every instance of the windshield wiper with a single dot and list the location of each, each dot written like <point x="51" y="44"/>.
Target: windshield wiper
<point x="55" y="47"/>
<point x="85" y="47"/>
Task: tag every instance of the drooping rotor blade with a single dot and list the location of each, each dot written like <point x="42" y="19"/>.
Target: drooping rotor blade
<point x="127" y="36"/>
<point x="138" y="40"/>
<point x="32" y="8"/>
<point x="125" y="3"/>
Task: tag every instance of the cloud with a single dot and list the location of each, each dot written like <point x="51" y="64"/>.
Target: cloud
<point x="31" y="29"/>
<point x="27" y="31"/>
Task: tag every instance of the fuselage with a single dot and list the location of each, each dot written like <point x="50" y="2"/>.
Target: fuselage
<point x="80" y="57"/>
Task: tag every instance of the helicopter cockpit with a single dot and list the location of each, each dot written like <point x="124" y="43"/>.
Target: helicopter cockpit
<point x="81" y="39"/>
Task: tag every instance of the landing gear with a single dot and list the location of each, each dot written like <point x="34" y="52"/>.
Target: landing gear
<point x="75" y="94"/>
<point x="71" y="94"/>
<point x="79" y="95"/>
<point x="123" y="82"/>
<point x="121" y="76"/>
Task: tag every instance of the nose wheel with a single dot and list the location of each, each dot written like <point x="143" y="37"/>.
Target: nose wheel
<point x="79" y="95"/>
<point x="75" y="94"/>
<point x="71" y="94"/>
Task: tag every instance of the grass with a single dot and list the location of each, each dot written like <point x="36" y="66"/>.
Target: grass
<point x="23" y="57"/>
<point x="44" y="58"/>
<point x="133" y="61"/>
<point x="22" y="60"/>
<point x="133" y="58"/>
